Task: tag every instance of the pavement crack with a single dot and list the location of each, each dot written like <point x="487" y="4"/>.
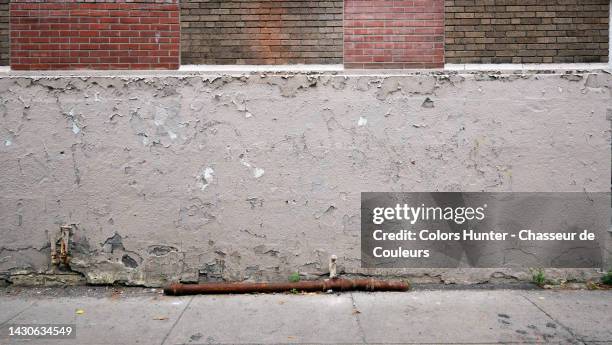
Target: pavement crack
<point x="569" y="330"/>
<point x="16" y="315"/>
<point x="177" y="320"/>
<point x="359" y="327"/>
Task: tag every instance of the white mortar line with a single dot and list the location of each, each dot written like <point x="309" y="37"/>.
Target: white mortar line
<point x="526" y="67"/>
<point x="204" y="70"/>
<point x="260" y="68"/>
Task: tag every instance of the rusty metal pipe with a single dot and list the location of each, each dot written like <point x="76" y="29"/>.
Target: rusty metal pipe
<point x="308" y="286"/>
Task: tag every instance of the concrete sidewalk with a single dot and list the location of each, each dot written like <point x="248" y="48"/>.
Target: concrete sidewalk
<point x="144" y="316"/>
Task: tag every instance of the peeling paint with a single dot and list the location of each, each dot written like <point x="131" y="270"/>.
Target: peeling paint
<point x="258" y="172"/>
<point x="231" y="177"/>
<point x="427" y="103"/>
<point x="206" y="178"/>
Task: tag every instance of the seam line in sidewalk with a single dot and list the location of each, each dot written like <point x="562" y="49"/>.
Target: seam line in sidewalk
<point x="569" y="330"/>
<point x="16" y="315"/>
<point x="359" y="327"/>
<point x="177" y="320"/>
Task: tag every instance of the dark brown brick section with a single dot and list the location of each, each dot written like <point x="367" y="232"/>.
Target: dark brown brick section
<point x="261" y="32"/>
<point x="4" y="32"/>
<point x="526" y="31"/>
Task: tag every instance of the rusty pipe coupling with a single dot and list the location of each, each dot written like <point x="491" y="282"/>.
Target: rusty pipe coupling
<point x="177" y="289"/>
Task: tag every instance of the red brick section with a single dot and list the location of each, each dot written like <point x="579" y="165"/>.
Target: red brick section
<point x="4" y="32"/>
<point x="94" y="35"/>
<point x="393" y="34"/>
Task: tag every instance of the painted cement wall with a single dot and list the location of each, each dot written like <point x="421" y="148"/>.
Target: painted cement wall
<point x="200" y="177"/>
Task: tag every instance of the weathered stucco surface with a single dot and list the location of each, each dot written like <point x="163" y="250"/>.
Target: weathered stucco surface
<point x="206" y="177"/>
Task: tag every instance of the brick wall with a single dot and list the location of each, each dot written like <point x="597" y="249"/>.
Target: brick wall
<point x="393" y="33"/>
<point x="145" y="34"/>
<point x="4" y="32"/>
<point x="261" y="32"/>
<point x="87" y="35"/>
<point x="526" y="31"/>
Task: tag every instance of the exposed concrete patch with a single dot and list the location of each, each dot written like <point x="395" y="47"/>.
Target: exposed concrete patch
<point x="128" y="261"/>
<point x="428" y="103"/>
<point x="112" y="244"/>
<point x="161" y="250"/>
<point x="51" y="279"/>
<point x="169" y="178"/>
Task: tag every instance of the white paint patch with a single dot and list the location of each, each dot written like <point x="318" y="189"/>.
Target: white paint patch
<point x="258" y="172"/>
<point x="144" y="138"/>
<point x="245" y="163"/>
<point x="75" y="127"/>
<point x="209" y="174"/>
<point x="206" y="177"/>
<point x="8" y="142"/>
<point x="172" y="135"/>
<point x="247" y="115"/>
<point x="362" y="121"/>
